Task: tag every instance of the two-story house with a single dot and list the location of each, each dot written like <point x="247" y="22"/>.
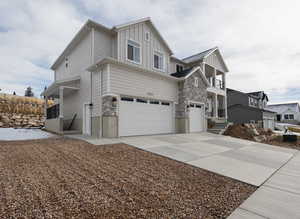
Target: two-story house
<point x="286" y="112"/>
<point x="249" y="108"/>
<point x="125" y="81"/>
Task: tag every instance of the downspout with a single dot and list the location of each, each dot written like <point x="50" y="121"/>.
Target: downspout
<point x="91" y="78"/>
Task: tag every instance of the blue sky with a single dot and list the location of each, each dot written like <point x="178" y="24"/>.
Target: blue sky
<point x="259" y="40"/>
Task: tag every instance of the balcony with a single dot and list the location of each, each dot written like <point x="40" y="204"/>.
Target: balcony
<point x="219" y="84"/>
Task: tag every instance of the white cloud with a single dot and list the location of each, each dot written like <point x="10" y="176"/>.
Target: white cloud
<point x="258" y="38"/>
<point x="37" y="33"/>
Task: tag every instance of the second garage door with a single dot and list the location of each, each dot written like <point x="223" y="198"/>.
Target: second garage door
<point x="196" y="118"/>
<point x="138" y="116"/>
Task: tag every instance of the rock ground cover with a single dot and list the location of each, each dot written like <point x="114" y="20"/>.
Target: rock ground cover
<point x="64" y="178"/>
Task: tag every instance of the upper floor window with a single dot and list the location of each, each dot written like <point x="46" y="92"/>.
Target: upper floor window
<point x="253" y="102"/>
<point x="179" y="68"/>
<point x="158" y="60"/>
<point x="66" y="62"/>
<point x="147" y="36"/>
<point x="289" y="116"/>
<point x="133" y="51"/>
<point x="196" y="81"/>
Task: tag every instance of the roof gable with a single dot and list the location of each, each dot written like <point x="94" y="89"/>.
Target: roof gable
<point x="149" y="22"/>
<point x="211" y="56"/>
<point x="215" y="59"/>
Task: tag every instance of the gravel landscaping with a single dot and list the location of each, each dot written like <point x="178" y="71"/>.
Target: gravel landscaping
<point x="64" y="178"/>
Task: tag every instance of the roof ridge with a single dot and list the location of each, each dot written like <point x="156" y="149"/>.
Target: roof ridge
<point x="200" y="52"/>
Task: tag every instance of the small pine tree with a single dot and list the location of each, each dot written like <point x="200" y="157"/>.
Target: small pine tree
<point x="28" y="92"/>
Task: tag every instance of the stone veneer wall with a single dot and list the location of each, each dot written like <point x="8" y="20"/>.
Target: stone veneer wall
<point x="109" y="106"/>
<point x="187" y="91"/>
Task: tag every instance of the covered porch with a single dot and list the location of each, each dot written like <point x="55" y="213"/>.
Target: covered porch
<point x="215" y="77"/>
<point x="217" y="106"/>
<point x="60" y="117"/>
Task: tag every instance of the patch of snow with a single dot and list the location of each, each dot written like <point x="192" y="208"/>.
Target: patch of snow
<point x="11" y="134"/>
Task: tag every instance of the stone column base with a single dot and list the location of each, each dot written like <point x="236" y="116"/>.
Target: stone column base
<point x="110" y="126"/>
<point x="182" y="125"/>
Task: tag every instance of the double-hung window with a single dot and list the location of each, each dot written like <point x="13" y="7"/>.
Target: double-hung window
<point x="133" y="51"/>
<point x="158" y="60"/>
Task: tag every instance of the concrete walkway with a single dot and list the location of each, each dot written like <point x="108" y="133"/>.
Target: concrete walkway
<point x="275" y="170"/>
<point x="277" y="198"/>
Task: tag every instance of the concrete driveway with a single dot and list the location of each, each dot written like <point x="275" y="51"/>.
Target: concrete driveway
<point x="243" y="160"/>
<point x="275" y="170"/>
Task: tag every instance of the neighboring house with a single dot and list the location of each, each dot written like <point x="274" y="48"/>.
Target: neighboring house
<point x="249" y="108"/>
<point x="125" y="81"/>
<point x="286" y="112"/>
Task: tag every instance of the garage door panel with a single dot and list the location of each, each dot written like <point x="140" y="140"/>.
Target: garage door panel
<point x="196" y="119"/>
<point x="144" y="118"/>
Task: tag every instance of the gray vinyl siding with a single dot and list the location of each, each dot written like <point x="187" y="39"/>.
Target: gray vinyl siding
<point x="173" y="64"/>
<point x="214" y="60"/>
<point x="237" y="98"/>
<point x="79" y="60"/>
<point x="137" y="33"/>
<point x="104" y="79"/>
<point x="96" y="96"/>
<point x="239" y="115"/>
<point x="133" y="83"/>
<point x="114" y="46"/>
<point x="102" y="45"/>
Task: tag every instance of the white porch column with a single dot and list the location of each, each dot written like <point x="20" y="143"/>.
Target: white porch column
<point x="61" y="102"/>
<point x="215" y="105"/>
<point x="224" y="81"/>
<point x="214" y="77"/>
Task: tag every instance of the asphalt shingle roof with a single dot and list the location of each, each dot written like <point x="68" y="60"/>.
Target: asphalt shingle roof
<point x="198" y="56"/>
<point x="183" y="73"/>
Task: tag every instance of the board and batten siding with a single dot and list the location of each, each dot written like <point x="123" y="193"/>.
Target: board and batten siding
<point x="129" y="82"/>
<point x="214" y="61"/>
<point x="137" y="33"/>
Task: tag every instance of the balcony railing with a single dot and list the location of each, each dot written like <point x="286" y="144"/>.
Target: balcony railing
<point x="221" y="113"/>
<point x="219" y="84"/>
<point x="53" y="112"/>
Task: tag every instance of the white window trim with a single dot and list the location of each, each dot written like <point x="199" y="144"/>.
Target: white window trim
<point x="163" y="61"/>
<point x="129" y="60"/>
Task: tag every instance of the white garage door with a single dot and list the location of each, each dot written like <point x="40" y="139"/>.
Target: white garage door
<point x="196" y="118"/>
<point x="269" y="124"/>
<point x="138" y="116"/>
